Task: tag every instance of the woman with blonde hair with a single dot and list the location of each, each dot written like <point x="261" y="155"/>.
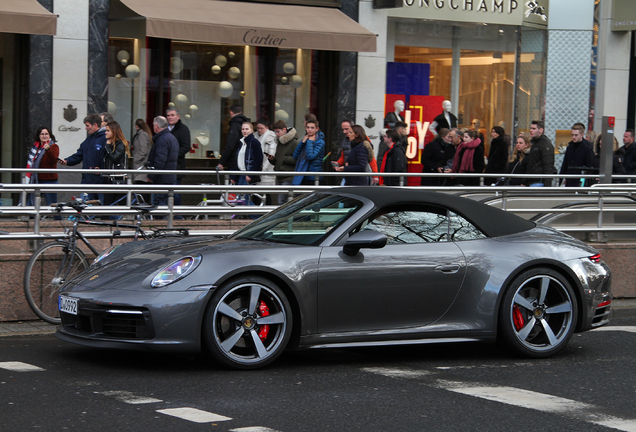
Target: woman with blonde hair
<point x="518" y="162"/>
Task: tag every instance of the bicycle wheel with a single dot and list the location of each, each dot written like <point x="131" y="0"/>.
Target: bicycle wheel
<point x="47" y="270"/>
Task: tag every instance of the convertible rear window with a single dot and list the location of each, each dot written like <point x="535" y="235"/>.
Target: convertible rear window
<point x="305" y="221"/>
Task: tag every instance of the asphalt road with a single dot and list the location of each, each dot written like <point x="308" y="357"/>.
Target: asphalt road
<point x="50" y="385"/>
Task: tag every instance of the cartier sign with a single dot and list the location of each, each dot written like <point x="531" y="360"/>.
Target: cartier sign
<point x="253" y="37"/>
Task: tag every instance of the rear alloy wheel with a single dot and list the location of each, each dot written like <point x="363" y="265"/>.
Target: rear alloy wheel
<point x="538" y="313"/>
<point x="247" y="323"/>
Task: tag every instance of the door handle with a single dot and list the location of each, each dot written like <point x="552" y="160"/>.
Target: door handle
<point x="448" y="268"/>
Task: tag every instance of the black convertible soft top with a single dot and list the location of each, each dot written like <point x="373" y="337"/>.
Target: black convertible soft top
<point x="490" y="220"/>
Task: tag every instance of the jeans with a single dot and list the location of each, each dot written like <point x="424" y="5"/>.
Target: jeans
<point x="50" y="197"/>
<point x="282" y="198"/>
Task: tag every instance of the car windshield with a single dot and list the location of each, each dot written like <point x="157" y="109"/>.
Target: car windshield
<point x="305" y="221"/>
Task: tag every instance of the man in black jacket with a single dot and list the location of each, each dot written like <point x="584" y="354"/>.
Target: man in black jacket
<point x="228" y="156"/>
<point x="434" y="158"/>
<point x="394" y="160"/>
<point x="577" y="155"/>
<point x="164" y="155"/>
<point x="541" y="157"/>
<point x="629" y="162"/>
<point x="182" y="133"/>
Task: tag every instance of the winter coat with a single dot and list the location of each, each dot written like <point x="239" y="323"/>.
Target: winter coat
<point x="141" y="143"/>
<point x="442" y="123"/>
<point x="357" y="162"/>
<point x="91" y="154"/>
<point x="253" y="156"/>
<point x="541" y="160"/>
<point x="310" y="154"/>
<point x="518" y="166"/>
<point x="268" y="144"/>
<point x="629" y="162"/>
<point x="477" y="165"/>
<point x="49" y="160"/>
<point x="578" y="154"/>
<point x="433" y="157"/>
<point x="182" y="133"/>
<point x="396" y="163"/>
<point x="164" y="155"/>
<point x="617" y="165"/>
<point x="498" y="156"/>
<point x="115" y="158"/>
<point x="284" y="159"/>
<point x="228" y="157"/>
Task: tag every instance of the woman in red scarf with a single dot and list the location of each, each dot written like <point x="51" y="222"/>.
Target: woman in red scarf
<point x="43" y="154"/>
<point x="469" y="158"/>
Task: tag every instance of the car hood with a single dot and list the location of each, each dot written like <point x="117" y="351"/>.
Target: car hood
<point x="133" y="265"/>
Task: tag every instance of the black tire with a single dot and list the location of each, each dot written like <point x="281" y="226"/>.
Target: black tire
<point x="538" y="313"/>
<point x="46" y="271"/>
<point x="237" y="331"/>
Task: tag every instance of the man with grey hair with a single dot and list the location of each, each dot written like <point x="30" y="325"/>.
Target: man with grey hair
<point x="182" y="133"/>
<point x="163" y="156"/>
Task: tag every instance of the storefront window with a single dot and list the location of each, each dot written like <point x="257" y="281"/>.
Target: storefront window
<point x="474" y="65"/>
<point x="202" y="81"/>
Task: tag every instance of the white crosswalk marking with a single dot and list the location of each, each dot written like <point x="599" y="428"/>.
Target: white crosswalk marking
<point x="20" y="367"/>
<point x="194" y="415"/>
<point x="129" y="398"/>
<point x="253" y="429"/>
<point x="520" y="398"/>
<point x="630" y="329"/>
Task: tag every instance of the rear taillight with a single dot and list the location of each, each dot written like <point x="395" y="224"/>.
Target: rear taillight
<point x="595" y="258"/>
<point x="605" y="303"/>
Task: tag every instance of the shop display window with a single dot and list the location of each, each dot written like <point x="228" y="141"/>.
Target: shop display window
<point x="202" y="81"/>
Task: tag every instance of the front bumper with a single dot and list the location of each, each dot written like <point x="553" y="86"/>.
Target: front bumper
<point x="138" y="320"/>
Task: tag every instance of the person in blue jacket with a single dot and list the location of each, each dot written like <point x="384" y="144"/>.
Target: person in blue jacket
<point x="91" y="152"/>
<point x="309" y="154"/>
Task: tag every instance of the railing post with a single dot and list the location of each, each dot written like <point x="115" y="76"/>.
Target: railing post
<point x="37" y="197"/>
<point x="170" y="207"/>
<point x="599" y="234"/>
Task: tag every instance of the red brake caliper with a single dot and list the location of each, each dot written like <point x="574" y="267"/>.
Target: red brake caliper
<point x="517" y="318"/>
<point x="263" y="311"/>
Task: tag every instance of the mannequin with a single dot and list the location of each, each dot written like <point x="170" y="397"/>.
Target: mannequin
<point x="446" y="119"/>
<point x="395" y="116"/>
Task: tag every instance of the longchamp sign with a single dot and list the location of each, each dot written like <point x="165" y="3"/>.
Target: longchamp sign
<point x="623" y="15"/>
<point x="506" y="12"/>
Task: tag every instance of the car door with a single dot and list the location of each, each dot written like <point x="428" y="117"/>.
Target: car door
<point x="410" y="282"/>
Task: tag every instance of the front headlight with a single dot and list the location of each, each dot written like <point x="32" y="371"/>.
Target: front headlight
<point x="105" y="254"/>
<point x="175" y="271"/>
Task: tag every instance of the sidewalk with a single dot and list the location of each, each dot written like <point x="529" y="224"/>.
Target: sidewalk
<point x="38" y="327"/>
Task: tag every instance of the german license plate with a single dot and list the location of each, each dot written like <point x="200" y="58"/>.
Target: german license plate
<point x="68" y="305"/>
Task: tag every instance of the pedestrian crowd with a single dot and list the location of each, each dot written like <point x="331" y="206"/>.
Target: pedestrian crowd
<point x="263" y="147"/>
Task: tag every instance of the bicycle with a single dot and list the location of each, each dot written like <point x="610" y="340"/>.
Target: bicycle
<point x="56" y="262"/>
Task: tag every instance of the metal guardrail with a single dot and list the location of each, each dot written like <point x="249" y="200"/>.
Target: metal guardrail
<point x="221" y="207"/>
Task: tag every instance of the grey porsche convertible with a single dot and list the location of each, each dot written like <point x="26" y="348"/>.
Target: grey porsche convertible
<point x="346" y="267"/>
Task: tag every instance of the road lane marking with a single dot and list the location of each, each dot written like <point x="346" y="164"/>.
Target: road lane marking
<point x="129" y="397"/>
<point x="20" y="367"/>
<point x="520" y="398"/>
<point x="541" y="402"/>
<point x="194" y="415"/>
<point x="630" y="329"/>
<point x="253" y="429"/>
<point x="397" y="373"/>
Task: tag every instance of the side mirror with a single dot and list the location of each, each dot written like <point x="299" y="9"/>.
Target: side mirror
<point x="365" y="239"/>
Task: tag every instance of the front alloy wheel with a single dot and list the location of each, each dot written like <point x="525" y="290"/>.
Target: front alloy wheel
<point x="248" y="323"/>
<point x="538" y="314"/>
